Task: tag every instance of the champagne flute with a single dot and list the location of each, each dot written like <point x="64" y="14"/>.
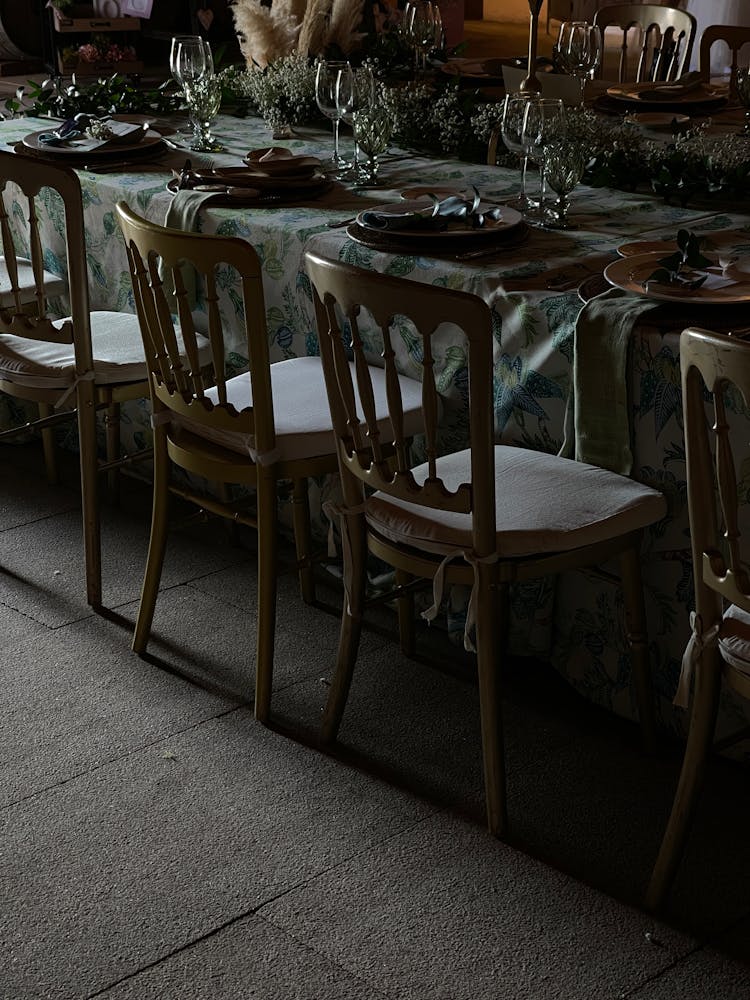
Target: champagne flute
<point x="543" y="122"/>
<point x="565" y="162"/>
<point x="583" y="51"/>
<point x="514" y="108"/>
<point x="326" y="90"/>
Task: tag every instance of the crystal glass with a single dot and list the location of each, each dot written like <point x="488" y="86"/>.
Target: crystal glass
<point x="743" y="92"/>
<point x="580" y="50"/>
<point x="327" y="91"/>
<point x="193" y="60"/>
<point x="204" y="100"/>
<point x="372" y="133"/>
<point x="177" y="40"/>
<point x="355" y="92"/>
<point x="564" y="164"/>
<point x="424" y="29"/>
<point x="514" y="109"/>
<point x="543" y="123"/>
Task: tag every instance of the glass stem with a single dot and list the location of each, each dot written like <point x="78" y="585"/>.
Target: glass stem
<point x="583" y="90"/>
<point x="523" y="201"/>
<point x="336" y="157"/>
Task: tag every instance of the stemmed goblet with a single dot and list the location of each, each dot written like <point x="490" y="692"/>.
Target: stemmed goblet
<point x="355" y="92"/>
<point x="580" y="49"/>
<point x="327" y="91"/>
<point x="565" y="162"/>
<point x="372" y="133"/>
<point x="511" y="127"/>
<point x="543" y="123"/>
<point x="194" y="68"/>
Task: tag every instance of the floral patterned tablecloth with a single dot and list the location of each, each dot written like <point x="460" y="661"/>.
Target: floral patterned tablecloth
<point x="576" y="621"/>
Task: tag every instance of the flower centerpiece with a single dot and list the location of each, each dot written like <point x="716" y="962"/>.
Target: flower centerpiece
<point x="98" y="54"/>
<point x="310" y="28"/>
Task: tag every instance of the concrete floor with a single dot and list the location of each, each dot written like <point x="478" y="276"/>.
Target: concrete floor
<point x="158" y="843"/>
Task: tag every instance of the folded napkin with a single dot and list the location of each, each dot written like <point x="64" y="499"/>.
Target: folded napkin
<point x="686" y="85"/>
<point x="436" y="218"/>
<point x="183" y="214"/>
<point x="600" y="431"/>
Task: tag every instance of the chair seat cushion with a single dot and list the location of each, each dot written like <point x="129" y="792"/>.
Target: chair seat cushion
<point x="301" y="414"/>
<point x="734" y="638"/>
<point x="116" y="345"/>
<point x="543" y="504"/>
<point x="53" y="285"/>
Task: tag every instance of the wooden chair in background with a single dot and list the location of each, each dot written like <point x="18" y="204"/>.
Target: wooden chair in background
<point x="735" y="36"/>
<point x="666" y="37"/>
<point x="69" y="367"/>
<point x="719" y="648"/>
<point x="255" y="429"/>
<point x="486" y="517"/>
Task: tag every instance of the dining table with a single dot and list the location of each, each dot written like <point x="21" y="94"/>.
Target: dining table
<point x="599" y="381"/>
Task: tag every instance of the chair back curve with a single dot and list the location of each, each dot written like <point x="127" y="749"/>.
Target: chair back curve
<point x="667" y="35"/>
<point x="721" y="365"/>
<point x="164" y="264"/>
<point x="23" y="314"/>
<point x="735" y="36"/>
<point x="341" y="292"/>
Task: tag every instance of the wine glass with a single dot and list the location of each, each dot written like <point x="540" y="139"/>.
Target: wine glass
<point x="424" y="29"/>
<point x="565" y="162"/>
<point x="355" y="92"/>
<point x="743" y="92"/>
<point x="192" y="60"/>
<point x="581" y="50"/>
<point x="543" y="123"/>
<point x="327" y="90"/>
<point x="514" y="108"/>
<point x="177" y="40"/>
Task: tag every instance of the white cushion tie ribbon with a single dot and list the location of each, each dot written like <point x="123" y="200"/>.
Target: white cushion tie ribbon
<point x="698" y="641"/>
<point x="438" y="586"/>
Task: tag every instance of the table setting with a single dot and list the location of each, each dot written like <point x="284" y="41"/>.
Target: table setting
<point x="393" y="209"/>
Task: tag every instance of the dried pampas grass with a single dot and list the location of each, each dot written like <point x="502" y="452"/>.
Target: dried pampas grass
<point x="313" y="35"/>
<point x="265" y="33"/>
<point x="346" y="17"/>
<point x="309" y="26"/>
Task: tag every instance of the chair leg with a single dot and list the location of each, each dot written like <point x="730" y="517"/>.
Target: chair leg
<point x="49" y="446"/>
<point x="488" y="643"/>
<point x="635" y="621"/>
<point x="157" y="543"/>
<point x="700" y="737"/>
<point x="90" y="499"/>
<point x="266" y="629"/>
<point x="112" y="432"/>
<point x="355" y="579"/>
<point x="405" y="614"/>
<point x="303" y="539"/>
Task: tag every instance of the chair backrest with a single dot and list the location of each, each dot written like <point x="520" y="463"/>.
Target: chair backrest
<point x="27" y="187"/>
<point x="735" y="36"/>
<point x="720" y="364"/>
<point x="666" y="38"/>
<point x="401" y="308"/>
<point x="164" y="264"/>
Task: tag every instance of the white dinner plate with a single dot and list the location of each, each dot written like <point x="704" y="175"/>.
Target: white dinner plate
<point x="631" y="273"/>
<point x="509" y="219"/>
